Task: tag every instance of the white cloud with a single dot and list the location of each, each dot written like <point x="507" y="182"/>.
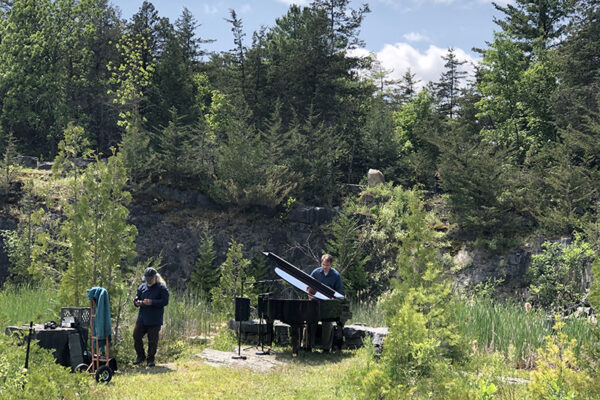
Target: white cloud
<point x="209" y="9"/>
<point x="427" y="65"/>
<point x="245" y="9"/>
<point x="297" y="2"/>
<point x="416" y="37"/>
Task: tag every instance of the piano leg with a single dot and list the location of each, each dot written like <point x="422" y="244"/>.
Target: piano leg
<point x="338" y="338"/>
<point x="308" y="337"/>
<point x="295" y="336"/>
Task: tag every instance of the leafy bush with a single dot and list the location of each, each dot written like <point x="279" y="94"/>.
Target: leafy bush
<point x="557" y="376"/>
<point x="556" y="275"/>
<point x="44" y="379"/>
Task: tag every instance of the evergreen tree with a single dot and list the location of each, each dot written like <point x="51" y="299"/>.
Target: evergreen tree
<point x="407" y="90"/>
<point x="347" y="245"/>
<point x="535" y="23"/>
<point x="205" y="276"/>
<point x="448" y="88"/>
<point x="239" y="52"/>
<point x="101" y="242"/>
<point x="174" y="153"/>
<point x="380" y="142"/>
<point x="578" y="69"/>
<point x="234" y="272"/>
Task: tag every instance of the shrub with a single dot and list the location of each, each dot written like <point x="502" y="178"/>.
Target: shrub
<point x="556" y="275"/>
<point x="44" y="379"/>
<point x="557" y="376"/>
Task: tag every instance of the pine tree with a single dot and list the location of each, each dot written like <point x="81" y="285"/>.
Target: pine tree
<point x="347" y="245"/>
<point x="101" y="242"/>
<point x="234" y="272"/>
<point x="535" y="23"/>
<point x="239" y="52"/>
<point x="205" y="276"/>
<point x="448" y="88"/>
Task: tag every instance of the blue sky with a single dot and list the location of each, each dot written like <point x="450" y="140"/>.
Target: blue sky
<point x="402" y="33"/>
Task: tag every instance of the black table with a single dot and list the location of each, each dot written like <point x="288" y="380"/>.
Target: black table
<point x="68" y="343"/>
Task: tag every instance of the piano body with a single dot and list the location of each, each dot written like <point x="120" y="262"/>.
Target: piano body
<point x="327" y="305"/>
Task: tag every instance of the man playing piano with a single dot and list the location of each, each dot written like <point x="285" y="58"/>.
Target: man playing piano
<point x="332" y="278"/>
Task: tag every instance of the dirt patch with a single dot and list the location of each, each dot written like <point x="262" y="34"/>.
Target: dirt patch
<point x="254" y="362"/>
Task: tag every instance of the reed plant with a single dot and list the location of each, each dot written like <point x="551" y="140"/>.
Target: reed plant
<point x="190" y="314"/>
<point x="367" y="312"/>
<point x="511" y="329"/>
<point x="22" y="304"/>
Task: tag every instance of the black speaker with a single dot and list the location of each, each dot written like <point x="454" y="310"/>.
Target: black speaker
<point x="242" y="308"/>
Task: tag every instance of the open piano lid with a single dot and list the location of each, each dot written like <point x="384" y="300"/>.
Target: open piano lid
<point x="301" y="279"/>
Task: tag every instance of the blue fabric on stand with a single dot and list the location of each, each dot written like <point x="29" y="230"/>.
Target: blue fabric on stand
<point x="102" y="324"/>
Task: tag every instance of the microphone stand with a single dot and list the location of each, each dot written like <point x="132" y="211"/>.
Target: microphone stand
<point x="262" y="351"/>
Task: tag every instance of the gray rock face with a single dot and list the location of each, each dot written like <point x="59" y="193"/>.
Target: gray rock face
<point x="27" y="161"/>
<point x="311" y="215"/>
<point x="479" y="266"/>
<point x="176" y="236"/>
<point x="188" y="198"/>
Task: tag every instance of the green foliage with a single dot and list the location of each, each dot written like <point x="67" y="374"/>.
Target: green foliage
<point x="175" y="154"/>
<point x="557" y="376"/>
<point x="417" y="125"/>
<point x="234" y="272"/>
<point x="75" y="144"/>
<point x="417" y="309"/>
<point x="101" y="242"/>
<point x="136" y="154"/>
<point x="206" y="276"/>
<point x="7" y="167"/>
<point x="386" y="204"/>
<point x="487" y="193"/>
<point x="594" y="296"/>
<point x="44" y="378"/>
<point x="247" y="172"/>
<point x="131" y="77"/>
<point x="347" y="245"/>
<point x="556" y="275"/>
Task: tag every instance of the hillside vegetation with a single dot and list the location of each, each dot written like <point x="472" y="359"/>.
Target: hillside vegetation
<point x="97" y="112"/>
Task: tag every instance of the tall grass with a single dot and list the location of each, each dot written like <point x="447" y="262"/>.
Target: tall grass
<point x="508" y="328"/>
<point x="366" y="312"/>
<point x="19" y="305"/>
<point x="189" y="314"/>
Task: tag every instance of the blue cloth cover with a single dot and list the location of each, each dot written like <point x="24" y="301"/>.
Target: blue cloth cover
<point x="102" y="326"/>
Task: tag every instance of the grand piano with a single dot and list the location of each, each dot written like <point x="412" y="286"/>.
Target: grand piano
<point x="326" y="305"/>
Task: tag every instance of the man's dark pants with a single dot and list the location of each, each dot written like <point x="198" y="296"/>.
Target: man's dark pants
<point x="138" y="333"/>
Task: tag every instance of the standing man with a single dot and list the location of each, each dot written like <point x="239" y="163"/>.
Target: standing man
<point x="152" y="297"/>
<point x="330" y="277"/>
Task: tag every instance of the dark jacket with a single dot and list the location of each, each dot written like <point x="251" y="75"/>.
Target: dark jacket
<point x="333" y="279"/>
<point x="152" y="315"/>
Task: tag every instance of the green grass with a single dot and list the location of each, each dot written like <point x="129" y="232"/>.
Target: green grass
<point x="366" y="312"/>
<point x="20" y="305"/>
<point x="507" y="328"/>
<point x="189" y="315"/>
<point x="311" y="377"/>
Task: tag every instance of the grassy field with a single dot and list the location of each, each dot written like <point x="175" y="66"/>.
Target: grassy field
<point x="504" y="337"/>
<point x="317" y="376"/>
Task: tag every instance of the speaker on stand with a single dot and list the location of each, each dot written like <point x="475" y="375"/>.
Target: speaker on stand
<point x="242" y="313"/>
